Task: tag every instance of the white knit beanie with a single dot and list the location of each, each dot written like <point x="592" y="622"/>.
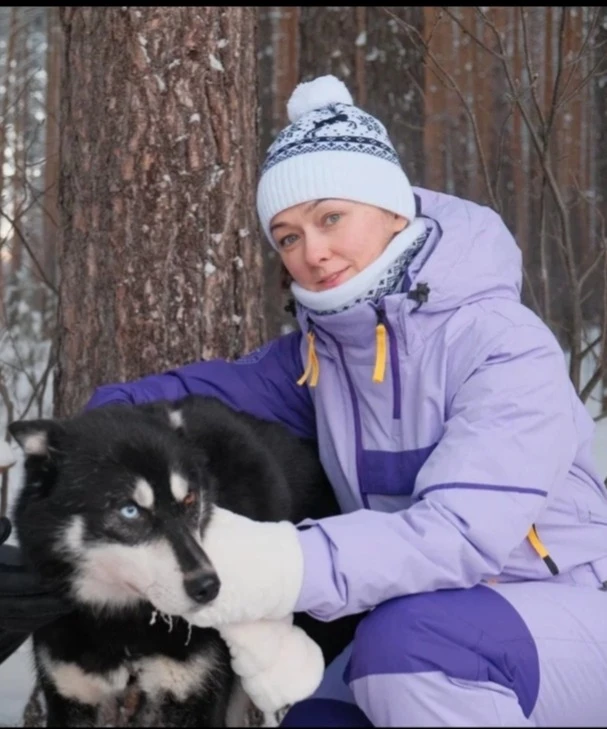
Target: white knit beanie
<point x="331" y="149"/>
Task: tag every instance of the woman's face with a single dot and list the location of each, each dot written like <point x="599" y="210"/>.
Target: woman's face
<point x="324" y="243"/>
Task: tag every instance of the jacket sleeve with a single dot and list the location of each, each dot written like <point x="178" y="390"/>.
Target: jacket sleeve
<point x="509" y="438"/>
<point x="262" y="383"/>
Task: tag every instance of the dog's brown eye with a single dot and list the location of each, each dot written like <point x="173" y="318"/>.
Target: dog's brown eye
<point x="190" y="498"/>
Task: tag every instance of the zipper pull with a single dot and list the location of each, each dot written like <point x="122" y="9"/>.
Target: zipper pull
<point x="312" y="371"/>
<point x="381" y="349"/>
<point x="539" y="547"/>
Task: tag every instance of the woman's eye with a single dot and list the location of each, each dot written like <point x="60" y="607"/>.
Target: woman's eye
<point x="287" y="241"/>
<point x="333" y="218"/>
<point x="130" y="511"/>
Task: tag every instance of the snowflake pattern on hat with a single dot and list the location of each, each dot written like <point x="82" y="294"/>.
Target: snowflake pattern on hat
<point x="337" y="127"/>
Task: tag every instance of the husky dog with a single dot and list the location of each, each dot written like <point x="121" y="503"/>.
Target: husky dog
<point x="114" y="504"/>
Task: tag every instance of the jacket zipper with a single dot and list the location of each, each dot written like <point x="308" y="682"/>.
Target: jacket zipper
<point x="355" y="412"/>
<point x="394" y="368"/>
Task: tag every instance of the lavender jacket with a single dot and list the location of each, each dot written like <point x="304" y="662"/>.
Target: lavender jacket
<point x="473" y="435"/>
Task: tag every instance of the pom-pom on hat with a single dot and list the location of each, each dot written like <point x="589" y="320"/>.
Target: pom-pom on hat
<point x="331" y="149"/>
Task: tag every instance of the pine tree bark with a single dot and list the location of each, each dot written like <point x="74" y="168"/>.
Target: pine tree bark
<point x="600" y="125"/>
<point x="161" y="258"/>
<point x="7" y="97"/>
<point x="51" y="145"/>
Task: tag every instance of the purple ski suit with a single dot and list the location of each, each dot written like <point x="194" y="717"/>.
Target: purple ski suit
<point x="474" y="520"/>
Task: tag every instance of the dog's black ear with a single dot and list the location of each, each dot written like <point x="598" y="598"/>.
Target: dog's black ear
<point x="37" y="437"/>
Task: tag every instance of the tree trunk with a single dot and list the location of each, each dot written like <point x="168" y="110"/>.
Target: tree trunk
<point x="4" y="124"/>
<point x="600" y="125"/>
<point x="278" y="76"/>
<point x="19" y="176"/>
<point x="50" y="210"/>
<point x="161" y="257"/>
<point x="7" y="98"/>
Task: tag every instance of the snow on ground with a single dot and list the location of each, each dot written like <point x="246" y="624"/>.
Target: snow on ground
<point x="16" y="683"/>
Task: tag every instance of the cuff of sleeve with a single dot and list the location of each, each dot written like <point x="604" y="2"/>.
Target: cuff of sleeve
<point x="107" y="395"/>
<point x="317" y="576"/>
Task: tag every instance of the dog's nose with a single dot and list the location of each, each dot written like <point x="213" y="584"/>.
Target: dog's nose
<point x="203" y="588"/>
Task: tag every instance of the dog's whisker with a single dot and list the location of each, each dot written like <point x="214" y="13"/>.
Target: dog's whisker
<point x="189" y="638"/>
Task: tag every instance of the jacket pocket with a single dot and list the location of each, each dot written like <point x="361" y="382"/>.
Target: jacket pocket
<point x="392" y="473"/>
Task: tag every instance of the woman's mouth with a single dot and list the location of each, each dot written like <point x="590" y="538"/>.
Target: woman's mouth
<point x="330" y="282"/>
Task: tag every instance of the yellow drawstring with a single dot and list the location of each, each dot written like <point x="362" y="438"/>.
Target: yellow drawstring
<point x="380" y="353"/>
<point x="536" y="543"/>
<point x="312" y="370"/>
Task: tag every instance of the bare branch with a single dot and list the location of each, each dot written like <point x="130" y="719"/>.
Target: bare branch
<point x="570" y="265"/>
<point x="592" y="383"/>
<point x="451" y="83"/>
<point x="471" y="35"/>
<point x="583" y="82"/>
<point x="40" y="386"/>
<point x="536" y="303"/>
<point x="590" y="347"/>
<point x="28" y="248"/>
<point x="558" y="76"/>
<point x="590" y="270"/>
<point x="530" y="72"/>
<point x="576" y="61"/>
<point x="500" y="148"/>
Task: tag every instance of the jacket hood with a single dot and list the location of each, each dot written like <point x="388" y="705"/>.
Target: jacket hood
<point x="470" y="255"/>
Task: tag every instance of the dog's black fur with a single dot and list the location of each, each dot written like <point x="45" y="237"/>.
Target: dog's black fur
<point x="253" y="467"/>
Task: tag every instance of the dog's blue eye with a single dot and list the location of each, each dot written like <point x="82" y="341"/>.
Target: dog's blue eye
<point x="130" y="511"/>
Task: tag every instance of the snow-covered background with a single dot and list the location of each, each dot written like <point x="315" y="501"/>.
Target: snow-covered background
<point x="16" y="682"/>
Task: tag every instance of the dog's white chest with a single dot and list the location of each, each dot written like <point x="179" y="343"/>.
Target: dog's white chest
<point x="155" y="676"/>
<point x="72" y="682"/>
<point x="159" y="674"/>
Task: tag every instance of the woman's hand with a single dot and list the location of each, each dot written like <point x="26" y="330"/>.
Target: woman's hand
<point x="277" y="662"/>
<point x="260" y="567"/>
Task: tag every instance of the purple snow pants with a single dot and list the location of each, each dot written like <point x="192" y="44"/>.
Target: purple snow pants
<point x="514" y="654"/>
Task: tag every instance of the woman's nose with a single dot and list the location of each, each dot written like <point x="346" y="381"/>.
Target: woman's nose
<point x="317" y="249"/>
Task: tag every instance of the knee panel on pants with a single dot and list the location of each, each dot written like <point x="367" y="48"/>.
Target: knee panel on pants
<point x="472" y="634"/>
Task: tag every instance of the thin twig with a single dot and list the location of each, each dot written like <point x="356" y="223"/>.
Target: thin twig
<point x="529" y="67"/>
<point x="570" y="265"/>
<point x="590" y="347"/>
<point x="578" y="58"/>
<point x="41" y="384"/>
<point x="471" y="35"/>
<point x="28" y="248"/>
<point x="592" y="383"/>
<point x="535" y="300"/>
<point x="588" y="272"/>
<point x="467" y="108"/>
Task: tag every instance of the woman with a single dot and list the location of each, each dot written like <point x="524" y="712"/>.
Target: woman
<point x="474" y="524"/>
